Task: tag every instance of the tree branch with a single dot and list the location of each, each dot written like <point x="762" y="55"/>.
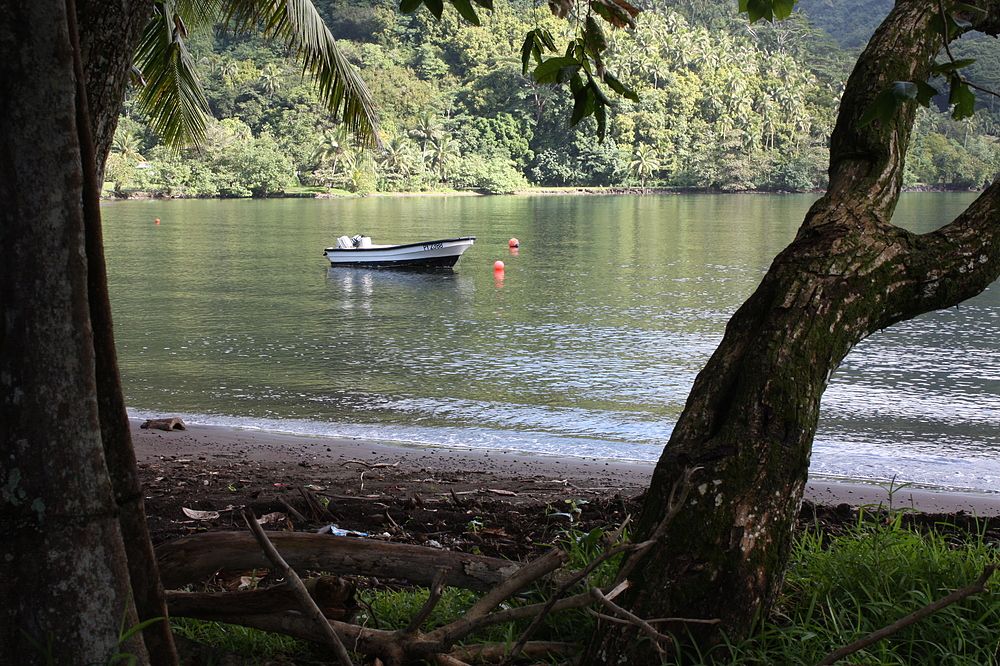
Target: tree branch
<point x="437" y="588"/>
<point x="650" y="630"/>
<point x="308" y="605"/>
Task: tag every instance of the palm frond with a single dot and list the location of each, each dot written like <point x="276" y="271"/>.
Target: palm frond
<point x="170" y="95"/>
<point x="299" y="24"/>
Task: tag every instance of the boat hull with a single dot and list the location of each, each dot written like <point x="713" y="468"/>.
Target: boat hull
<point x="430" y="254"/>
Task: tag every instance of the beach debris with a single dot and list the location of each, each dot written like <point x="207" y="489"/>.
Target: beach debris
<point x="273" y="517"/>
<point x="498" y="491"/>
<point x="414" y="502"/>
<point x="334" y="596"/>
<point x="200" y="515"/>
<point x="171" y="423"/>
<point x="370" y="465"/>
<point x="316" y="508"/>
<point x="339" y="531"/>
<point x="295" y="514"/>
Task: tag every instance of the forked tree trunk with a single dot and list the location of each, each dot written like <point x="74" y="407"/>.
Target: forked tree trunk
<point x="748" y="424"/>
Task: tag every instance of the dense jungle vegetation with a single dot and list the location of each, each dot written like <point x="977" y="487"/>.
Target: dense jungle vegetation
<point x="723" y="106"/>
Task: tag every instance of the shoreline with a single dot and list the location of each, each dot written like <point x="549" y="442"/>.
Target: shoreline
<point x="327" y="458"/>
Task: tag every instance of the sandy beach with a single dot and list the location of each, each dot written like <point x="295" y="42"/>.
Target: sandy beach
<point x="352" y="465"/>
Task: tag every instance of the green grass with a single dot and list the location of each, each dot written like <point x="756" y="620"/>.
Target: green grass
<point x="867" y="579"/>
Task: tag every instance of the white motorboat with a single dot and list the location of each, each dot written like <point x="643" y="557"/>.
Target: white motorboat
<point x="359" y="251"/>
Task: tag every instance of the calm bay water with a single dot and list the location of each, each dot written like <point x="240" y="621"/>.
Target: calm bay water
<point x="227" y="313"/>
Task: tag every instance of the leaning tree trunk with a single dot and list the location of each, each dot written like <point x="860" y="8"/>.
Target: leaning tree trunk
<point x="748" y="424"/>
<point x="64" y="585"/>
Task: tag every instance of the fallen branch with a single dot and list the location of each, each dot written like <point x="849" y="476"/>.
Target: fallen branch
<point x="650" y="630"/>
<point x="609" y="551"/>
<point x="208" y="552"/>
<point x="334" y="596"/>
<point x="975" y="588"/>
<point x="295" y="514"/>
<point x="437" y="589"/>
<point x="316" y="509"/>
<point x="307" y="602"/>
<point x="370" y="465"/>
<point x="191" y="558"/>
<point x="494" y="653"/>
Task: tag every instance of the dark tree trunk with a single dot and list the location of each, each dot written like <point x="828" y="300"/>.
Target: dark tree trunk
<point x="109" y="34"/>
<point x="60" y="541"/>
<point x="748" y="424"/>
<point x="93" y="43"/>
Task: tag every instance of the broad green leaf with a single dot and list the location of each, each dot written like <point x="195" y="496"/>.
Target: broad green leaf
<point x="548" y="41"/>
<point x="925" y="93"/>
<point x="436" y="7"/>
<point x="567" y="73"/>
<point x="464" y="8"/>
<point x="783" y="8"/>
<point x="963" y="98"/>
<point x="962" y="7"/>
<point x="882" y="108"/>
<point x="757" y="10"/>
<point x="529" y="50"/>
<point x="594" y="37"/>
<point x="409" y="6"/>
<point x="619" y="87"/>
<point x="582" y="105"/>
<point x="548" y="70"/>
<point x="941" y="68"/>
<point x="598" y="93"/>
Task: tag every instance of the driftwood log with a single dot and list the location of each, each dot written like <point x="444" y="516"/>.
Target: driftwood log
<point x="172" y="423"/>
<point x="191" y="558"/>
<point x="334" y="596"/>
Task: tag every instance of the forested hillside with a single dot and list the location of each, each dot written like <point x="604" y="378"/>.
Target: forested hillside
<point x="722" y="106"/>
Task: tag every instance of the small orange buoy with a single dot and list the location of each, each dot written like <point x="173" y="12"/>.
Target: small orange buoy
<point x="498" y="265"/>
<point x="157" y="220"/>
<point x="513" y="242"/>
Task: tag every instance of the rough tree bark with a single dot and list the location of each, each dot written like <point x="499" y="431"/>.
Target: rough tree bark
<point x="109" y="31"/>
<point x="64" y="558"/>
<point x="749" y="421"/>
<point x="60" y="541"/>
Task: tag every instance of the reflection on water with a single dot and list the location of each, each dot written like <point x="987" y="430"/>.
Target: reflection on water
<point x="586" y="345"/>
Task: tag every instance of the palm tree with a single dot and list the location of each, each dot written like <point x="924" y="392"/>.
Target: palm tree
<point x="428" y="129"/>
<point x="398" y="156"/>
<point x="645" y="162"/>
<point x="230" y="70"/>
<point x="270" y="77"/>
<point x="172" y="96"/>
<point x="331" y="147"/>
<point x="126" y="144"/>
<point x="441" y="155"/>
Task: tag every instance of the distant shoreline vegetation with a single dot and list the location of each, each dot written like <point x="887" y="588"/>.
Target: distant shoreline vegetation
<point x="109" y="195"/>
<point x="721" y="109"/>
